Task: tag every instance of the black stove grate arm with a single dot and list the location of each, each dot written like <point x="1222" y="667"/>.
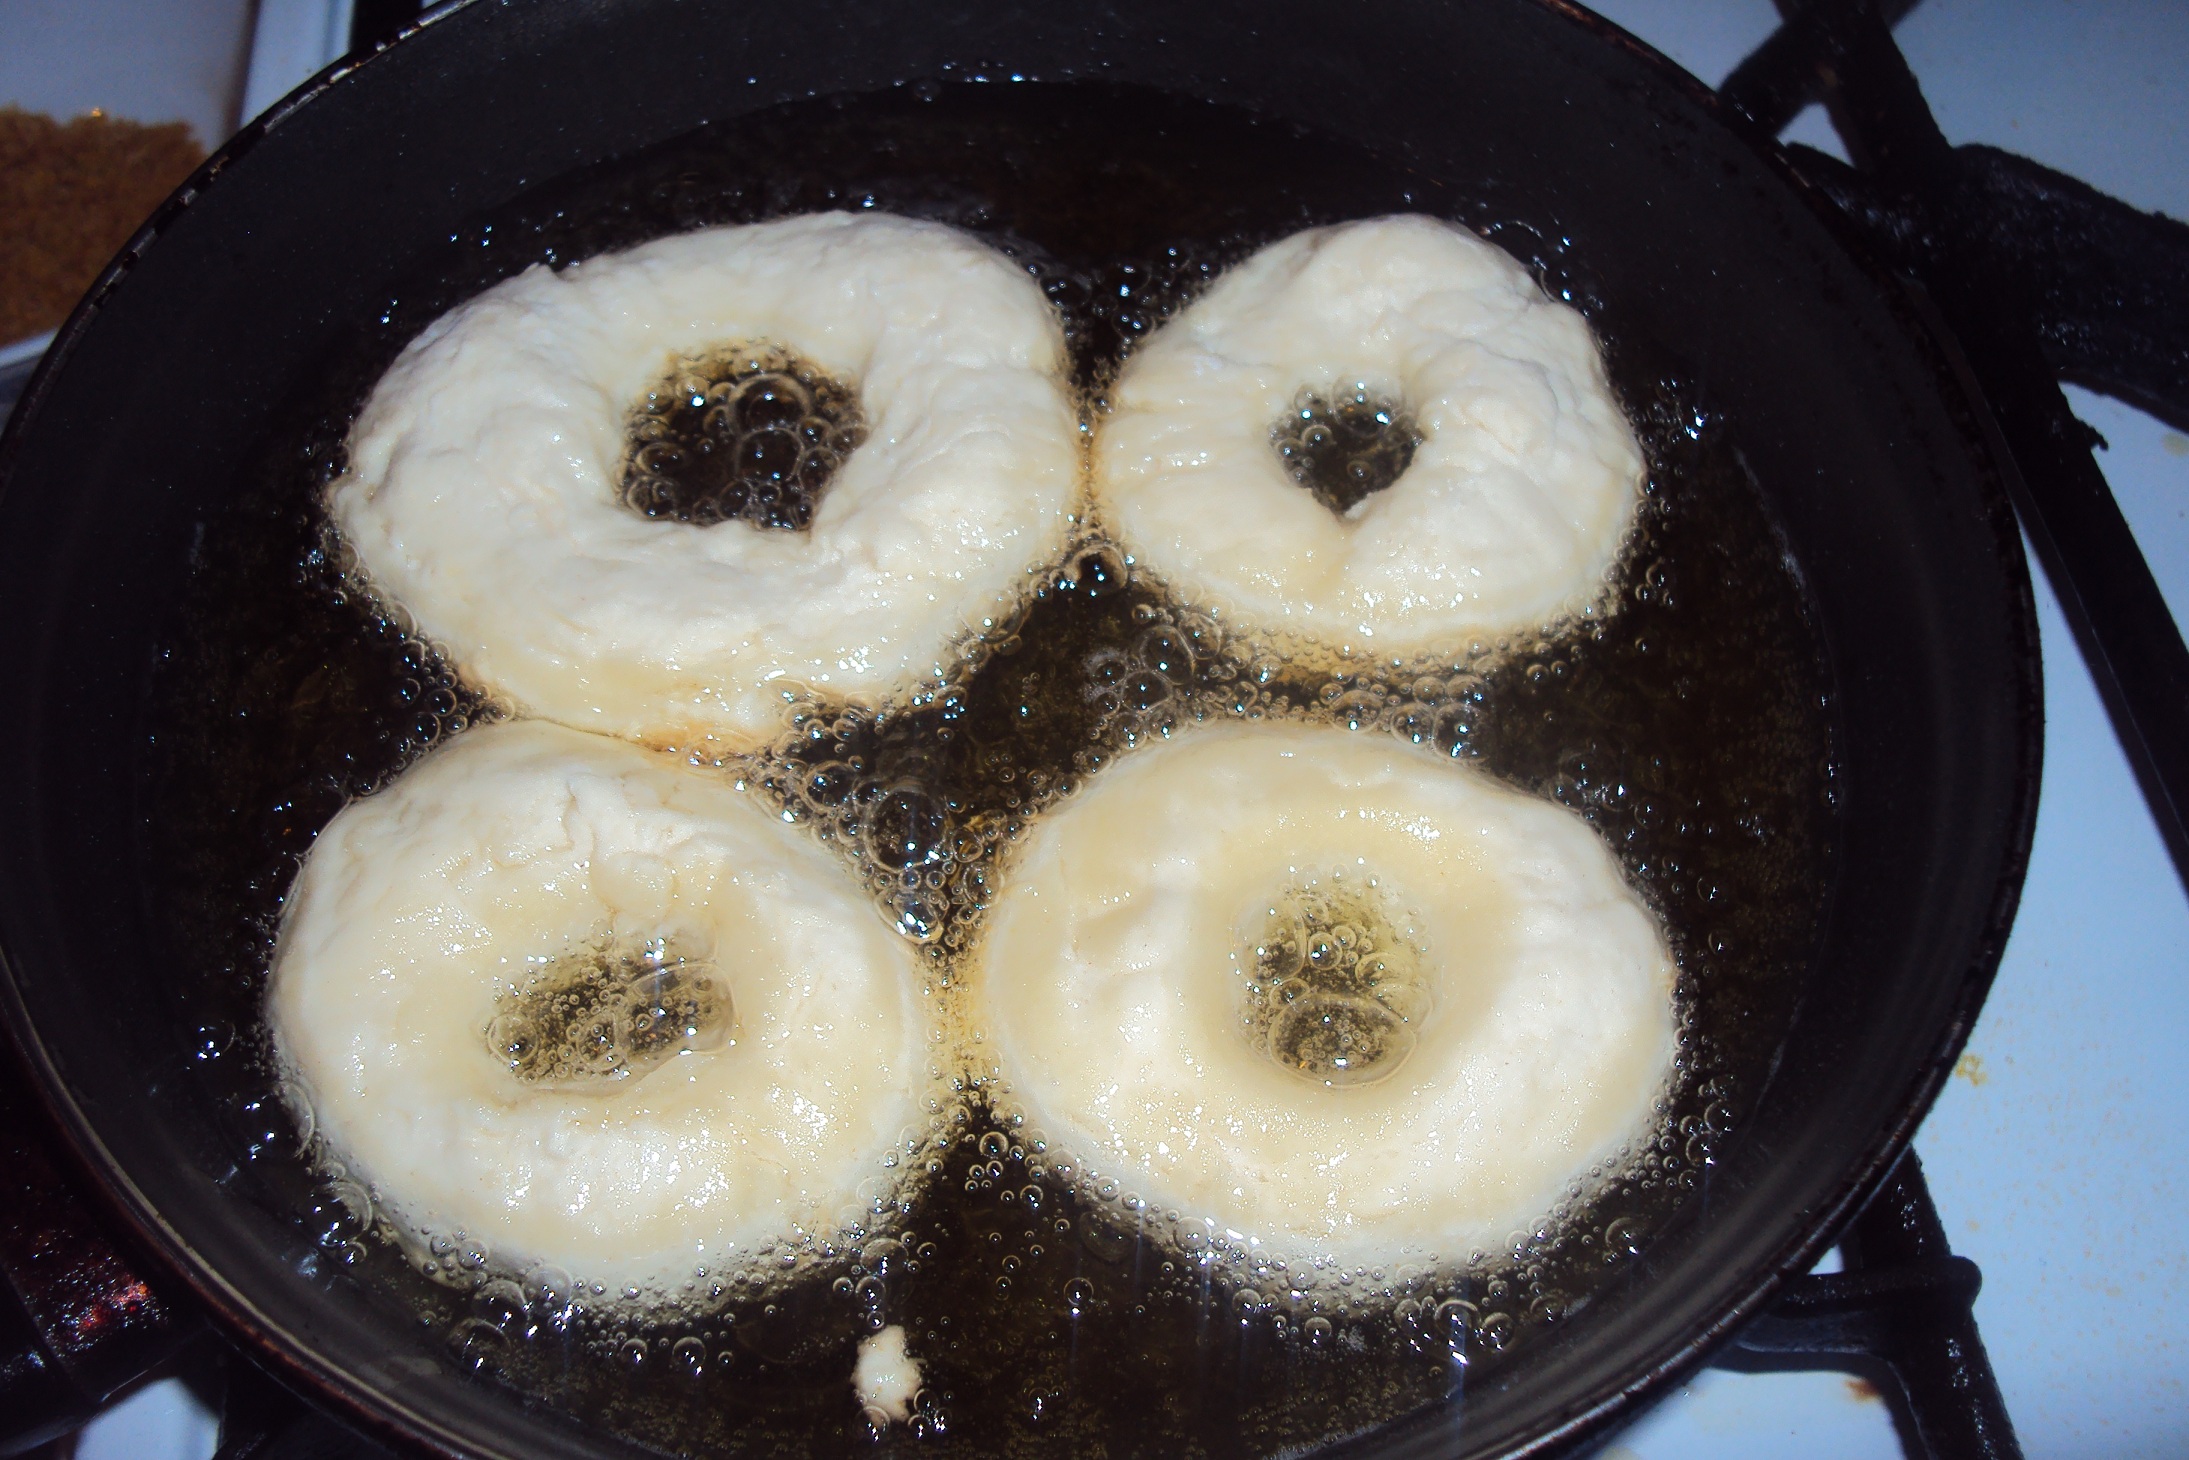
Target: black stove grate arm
<point x="2105" y="286"/>
<point x="1792" y="68"/>
<point x="1901" y="1316"/>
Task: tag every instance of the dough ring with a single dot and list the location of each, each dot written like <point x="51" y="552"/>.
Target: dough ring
<point x="1245" y="455"/>
<point x="595" y="1009"/>
<point x="1328" y="991"/>
<point x="485" y="492"/>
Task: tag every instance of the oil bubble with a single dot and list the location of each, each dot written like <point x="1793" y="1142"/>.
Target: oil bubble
<point x="1456" y="1321"/>
<point x="1164" y="650"/>
<point x="213" y="1040"/>
<point x="608" y="1011"/>
<point x="1345" y="443"/>
<point x="501" y="1303"/>
<point x="745" y="433"/>
<point x="1334" y="989"/>
<point x="477" y="1344"/>
<point x="1097" y="571"/>
<point x="907" y="827"/>
<point x="920" y="917"/>
<point x="1341" y="1040"/>
<point x="550" y="1293"/>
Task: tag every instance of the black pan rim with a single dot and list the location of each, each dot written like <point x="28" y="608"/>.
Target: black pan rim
<point x="1927" y="332"/>
<point x="1647" y="1375"/>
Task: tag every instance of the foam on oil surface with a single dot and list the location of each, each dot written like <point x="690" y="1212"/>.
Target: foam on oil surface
<point x="740" y="433"/>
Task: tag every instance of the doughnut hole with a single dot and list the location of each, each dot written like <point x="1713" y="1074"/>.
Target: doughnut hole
<point x="749" y="433"/>
<point x="608" y="1013"/>
<point x="1336" y="984"/>
<point x="1346" y="446"/>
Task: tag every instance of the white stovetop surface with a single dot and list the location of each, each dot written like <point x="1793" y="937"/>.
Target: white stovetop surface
<point x="2058" y="1154"/>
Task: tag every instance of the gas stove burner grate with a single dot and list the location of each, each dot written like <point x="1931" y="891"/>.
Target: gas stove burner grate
<point x="2034" y="277"/>
<point x="1899" y="1314"/>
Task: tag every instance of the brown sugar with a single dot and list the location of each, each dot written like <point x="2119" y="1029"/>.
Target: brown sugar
<point x="71" y="194"/>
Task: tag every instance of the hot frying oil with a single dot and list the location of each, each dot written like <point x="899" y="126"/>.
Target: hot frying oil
<point x="1688" y="725"/>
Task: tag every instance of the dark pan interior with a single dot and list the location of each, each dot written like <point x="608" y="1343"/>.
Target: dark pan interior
<point x="146" y="416"/>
